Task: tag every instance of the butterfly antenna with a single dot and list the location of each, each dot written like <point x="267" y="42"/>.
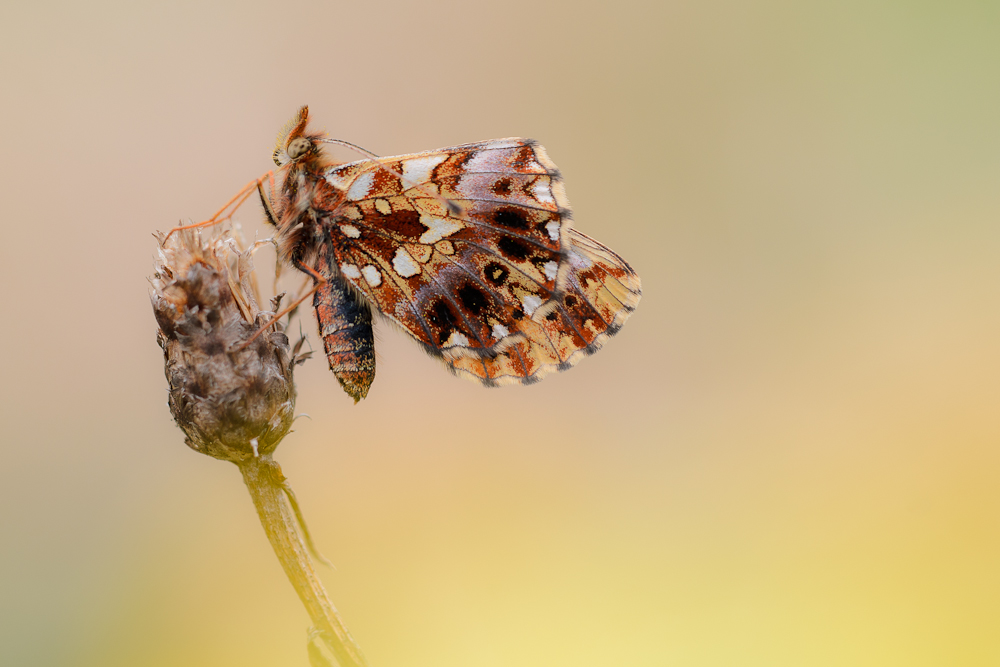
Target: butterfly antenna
<point x="354" y="147"/>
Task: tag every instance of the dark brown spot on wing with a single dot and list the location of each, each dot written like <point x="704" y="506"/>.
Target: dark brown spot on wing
<point x="502" y="187"/>
<point x="525" y="156"/>
<point x="514" y="248"/>
<point x="442" y="320"/>
<point x="404" y="223"/>
<point x="511" y="218"/>
<point x="473" y="298"/>
<point x="496" y="273"/>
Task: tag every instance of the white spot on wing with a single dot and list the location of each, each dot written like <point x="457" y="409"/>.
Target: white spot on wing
<point x="500" y="331"/>
<point x="551" y="269"/>
<point x="418" y="170"/>
<point x="552" y="226"/>
<point x="485" y="161"/>
<point x="531" y="303"/>
<point x="350" y="271"/>
<point x="542" y="191"/>
<point x="372" y="275"/>
<point x="361" y="186"/>
<point x="404" y="265"/>
<point x="438" y="228"/>
<point x="383" y="207"/>
<point x="339" y="177"/>
<point x="350" y="231"/>
<point x="456" y="339"/>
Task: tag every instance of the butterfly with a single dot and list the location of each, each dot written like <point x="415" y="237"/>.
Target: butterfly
<point x="469" y="249"/>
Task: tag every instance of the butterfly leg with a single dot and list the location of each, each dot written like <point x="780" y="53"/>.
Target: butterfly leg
<point x="282" y="313"/>
<point x="237" y="200"/>
<point x="265" y="201"/>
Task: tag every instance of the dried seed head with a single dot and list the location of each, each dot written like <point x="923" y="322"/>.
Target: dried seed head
<point x="233" y="400"/>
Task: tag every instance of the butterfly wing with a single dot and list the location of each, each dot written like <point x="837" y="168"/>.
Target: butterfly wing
<point x="469" y="249"/>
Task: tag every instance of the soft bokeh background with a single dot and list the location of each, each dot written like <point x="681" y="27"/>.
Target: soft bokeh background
<point x="789" y="456"/>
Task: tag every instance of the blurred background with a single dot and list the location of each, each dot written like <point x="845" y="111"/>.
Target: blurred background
<point x="788" y="456"/>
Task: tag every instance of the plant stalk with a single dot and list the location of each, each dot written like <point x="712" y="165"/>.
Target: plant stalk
<point x="264" y="480"/>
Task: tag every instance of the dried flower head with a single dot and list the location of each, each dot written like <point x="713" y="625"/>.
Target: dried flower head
<point x="231" y="390"/>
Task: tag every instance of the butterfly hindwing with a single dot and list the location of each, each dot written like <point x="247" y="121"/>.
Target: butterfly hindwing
<point x="469" y="249"/>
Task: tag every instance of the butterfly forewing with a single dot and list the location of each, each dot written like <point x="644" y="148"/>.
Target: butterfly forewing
<point x="463" y="246"/>
<point x="469" y="249"/>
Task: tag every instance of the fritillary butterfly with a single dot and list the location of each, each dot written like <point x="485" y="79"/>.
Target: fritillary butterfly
<point x="469" y="249"/>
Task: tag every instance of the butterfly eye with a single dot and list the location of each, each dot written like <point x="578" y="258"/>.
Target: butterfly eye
<point x="298" y="147"/>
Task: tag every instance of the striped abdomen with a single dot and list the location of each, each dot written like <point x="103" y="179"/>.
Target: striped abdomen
<point x="345" y="324"/>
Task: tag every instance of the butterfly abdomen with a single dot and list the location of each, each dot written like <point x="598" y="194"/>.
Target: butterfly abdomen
<point x="345" y="324"/>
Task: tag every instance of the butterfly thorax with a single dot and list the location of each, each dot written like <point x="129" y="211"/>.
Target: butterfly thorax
<point x="307" y="206"/>
<point x="306" y="213"/>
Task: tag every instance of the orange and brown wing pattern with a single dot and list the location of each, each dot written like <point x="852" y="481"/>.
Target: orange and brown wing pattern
<point x="470" y="250"/>
<point x="596" y="292"/>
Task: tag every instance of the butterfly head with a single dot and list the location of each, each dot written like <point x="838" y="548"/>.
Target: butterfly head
<point x="293" y="143"/>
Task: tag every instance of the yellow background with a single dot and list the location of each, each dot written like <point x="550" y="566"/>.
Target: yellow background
<point x="788" y="456"/>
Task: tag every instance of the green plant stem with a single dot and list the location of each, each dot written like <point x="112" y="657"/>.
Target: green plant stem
<point x="264" y="479"/>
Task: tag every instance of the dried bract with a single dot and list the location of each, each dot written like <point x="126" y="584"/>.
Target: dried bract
<point x="232" y="399"/>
